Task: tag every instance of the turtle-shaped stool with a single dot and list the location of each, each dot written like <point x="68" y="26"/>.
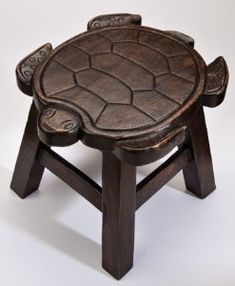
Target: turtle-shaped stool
<point x="132" y="92"/>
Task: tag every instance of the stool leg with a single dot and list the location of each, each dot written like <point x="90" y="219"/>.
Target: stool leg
<point x="119" y="204"/>
<point x="199" y="175"/>
<point x="28" y="172"/>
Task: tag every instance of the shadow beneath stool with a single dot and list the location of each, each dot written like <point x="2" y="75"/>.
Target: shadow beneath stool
<point x="177" y="182"/>
<point x="88" y="160"/>
<point x="40" y="215"/>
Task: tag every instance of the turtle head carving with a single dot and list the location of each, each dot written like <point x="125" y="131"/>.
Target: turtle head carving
<point x="58" y="127"/>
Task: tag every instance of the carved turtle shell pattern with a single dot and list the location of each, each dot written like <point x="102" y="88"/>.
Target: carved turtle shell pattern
<point x="122" y="81"/>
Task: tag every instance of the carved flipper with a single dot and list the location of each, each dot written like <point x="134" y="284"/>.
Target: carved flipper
<point x="216" y="83"/>
<point x="26" y="67"/>
<point x="185" y="38"/>
<point x="103" y="21"/>
<point x="149" y="150"/>
<point x="58" y="127"/>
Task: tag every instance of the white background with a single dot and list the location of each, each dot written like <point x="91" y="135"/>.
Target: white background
<point x="54" y="236"/>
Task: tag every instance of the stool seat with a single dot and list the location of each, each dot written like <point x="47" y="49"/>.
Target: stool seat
<point x="132" y="92"/>
<point x="121" y="83"/>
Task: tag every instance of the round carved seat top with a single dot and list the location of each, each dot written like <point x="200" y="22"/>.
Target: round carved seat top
<point x="124" y="82"/>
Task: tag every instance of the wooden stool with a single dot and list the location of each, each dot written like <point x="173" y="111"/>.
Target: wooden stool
<point x="133" y="93"/>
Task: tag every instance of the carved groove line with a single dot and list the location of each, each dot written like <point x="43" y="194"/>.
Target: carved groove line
<point x="80" y="48"/>
<point x="183" y="78"/>
<point x="97" y="119"/>
<point x="142" y="44"/>
<point x="154" y="82"/>
<point x="157" y="51"/>
<point x="88" y="90"/>
<point x="61" y="91"/>
<point x="138" y="36"/>
<point x="146" y="114"/>
<point x="171" y="99"/>
<point x="148" y="46"/>
<point x="178" y="55"/>
<point x="64" y="66"/>
<point x="104" y="37"/>
<point x="71" y="105"/>
<point x="134" y="62"/>
<point x="114" y="77"/>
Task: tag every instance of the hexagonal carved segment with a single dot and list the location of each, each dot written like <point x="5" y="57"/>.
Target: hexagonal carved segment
<point x="58" y="127"/>
<point x="104" y="85"/>
<point x="176" y="88"/>
<point x="184" y="66"/>
<point x="119" y="67"/>
<point x="143" y="56"/>
<point x="57" y="78"/>
<point x="93" y="44"/>
<point x="124" y="117"/>
<point x="165" y="45"/>
<point x="73" y="58"/>
<point x="118" y="35"/>
<point x="154" y="103"/>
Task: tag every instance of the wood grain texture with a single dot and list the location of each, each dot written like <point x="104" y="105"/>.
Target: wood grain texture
<point x="119" y="204"/>
<point x="199" y="175"/>
<point x="123" y="82"/>
<point x="138" y="152"/>
<point x="28" y="172"/>
<point x="134" y="93"/>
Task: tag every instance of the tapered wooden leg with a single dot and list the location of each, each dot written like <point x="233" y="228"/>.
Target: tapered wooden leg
<point x="28" y="172"/>
<point x="199" y="175"/>
<point x="119" y="204"/>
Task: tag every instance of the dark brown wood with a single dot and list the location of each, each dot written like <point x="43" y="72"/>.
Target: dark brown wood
<point x="72" y="176"/>
<point x="183" y="37"/>
<point x="159" y="177"/>
<point x="199" y="175"/>
<point x="57" y="127"/>
<point x="107" y="20"/>
<point x="123" y="82"/>
<point x="140" y="152"/>
<point x="119" y="204"/>
<point x="28" y="172"/>
<point x="134" y="93"/>
<point x="26" y="67"/>
<point x="216" y="83"/>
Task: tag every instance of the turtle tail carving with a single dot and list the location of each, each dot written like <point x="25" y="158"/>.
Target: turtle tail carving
<point x="27" y="66"/>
